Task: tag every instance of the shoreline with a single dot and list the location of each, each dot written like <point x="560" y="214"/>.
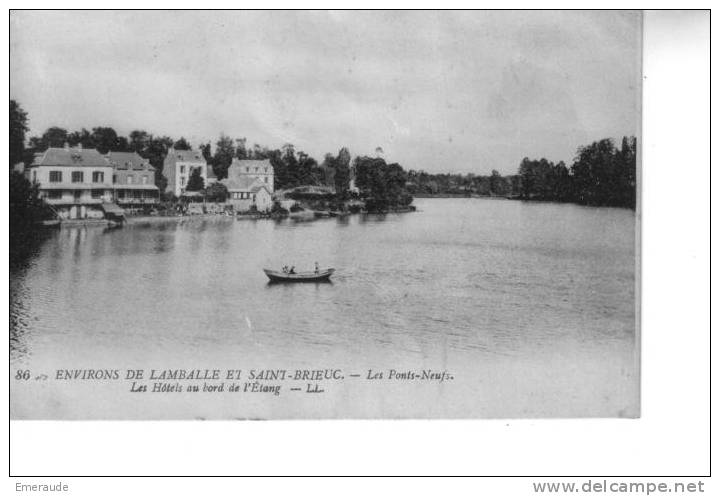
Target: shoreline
<point x="304" y="216"/>
<point x="514" y="198"/>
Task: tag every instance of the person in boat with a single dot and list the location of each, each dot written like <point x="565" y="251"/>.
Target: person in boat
<point x="285" y="269"/>
<point x="317" y="268"/>
<point x="292" y="270"/>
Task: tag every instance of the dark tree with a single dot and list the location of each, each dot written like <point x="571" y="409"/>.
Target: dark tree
<point x="105" y="139"/>
<point x="182" y="144"/>
<point x="382" y="185"/>
<point x="206" y="151"/>
<point x="342" y="173"/>
<point x="216" y="192"/>
<point x="626" y="169"/>
<point x="18" y="128"/>
<point x="82" y="137"/>
<point x="260" y="152"/>
<point x="195" y="182"/>
<point x="594" y="174"/>
<point x="27" y="209"/>
<point x="139" y="141"/>
<point x="224" y="153"/>
<point x="498" y="186"/>
<point x="53" y="137"/>
<point x="325" y="173"/>
<point x="291" y="165"/>
<point x="241" y="150"/>
<point x="306" y="169"/>
<point x="155" y="152"/>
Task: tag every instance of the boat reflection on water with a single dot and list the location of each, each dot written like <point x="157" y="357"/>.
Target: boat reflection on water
<point x="324" y="282"/>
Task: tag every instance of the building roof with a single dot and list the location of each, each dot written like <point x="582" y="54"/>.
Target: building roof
<point x="128" y="160"/>
<point x="70" y="157"/>
<point x="185" y="155"/>
<point x="241" y="183"/>
<point x="257" y="187"/>
<point x="240" y="180"/>
<point x="239" y="166"/>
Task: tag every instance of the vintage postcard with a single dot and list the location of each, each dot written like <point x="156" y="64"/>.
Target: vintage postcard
<point x="324" y="214"/>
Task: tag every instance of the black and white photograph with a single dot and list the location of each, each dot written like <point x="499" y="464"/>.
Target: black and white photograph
<point x="264" y="215"/>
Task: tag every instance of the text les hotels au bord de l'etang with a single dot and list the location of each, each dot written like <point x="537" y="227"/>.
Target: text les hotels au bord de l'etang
<point x="272" y="381"/>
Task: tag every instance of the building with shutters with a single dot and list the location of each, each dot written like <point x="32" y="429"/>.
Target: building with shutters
<point x="75" y="182"/>
<point x="178" y="166"/>
<point x="133" y="180"/>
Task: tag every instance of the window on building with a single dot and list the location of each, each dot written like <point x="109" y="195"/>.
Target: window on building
<point x="114" y="178"/>
<point x="55" y="176"/>
<point x="266" y="179"/>
<point x="97" y="193"/>
<point x="77" y="194"/>
<point x="98" y="177"/>
<point x="121" y="194"/>
<point x="54" y="194"/>
<point x="144" y="179"/>
<point x="77" y="176"/>
<point x="247" y="169"/>
<point x="182" y="181"/>
<point x="137" y="194"/>
<point x="182" y="169"/>
<point x="128" y="180"/>
<point x="34" y="176"/>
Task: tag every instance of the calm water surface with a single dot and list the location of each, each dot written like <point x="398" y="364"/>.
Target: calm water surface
<point x="530" y="305"/>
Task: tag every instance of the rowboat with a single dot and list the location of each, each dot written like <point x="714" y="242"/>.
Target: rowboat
<point x="278" y="276"/>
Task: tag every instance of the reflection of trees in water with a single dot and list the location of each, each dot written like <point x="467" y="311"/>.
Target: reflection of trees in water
<point x="19" y="325"/>
<point x="24" y="250"/>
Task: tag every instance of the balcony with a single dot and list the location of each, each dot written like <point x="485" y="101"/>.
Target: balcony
<point x="70" y="200"/>
<point x="139" y="201"/>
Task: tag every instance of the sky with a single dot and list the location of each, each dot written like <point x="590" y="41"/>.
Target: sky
<point x="447" y="91"/>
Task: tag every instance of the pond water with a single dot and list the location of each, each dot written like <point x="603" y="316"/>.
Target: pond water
<point x="529" y="306"/>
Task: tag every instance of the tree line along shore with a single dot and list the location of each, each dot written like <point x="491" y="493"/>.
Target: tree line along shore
<point x="601" y="174"/>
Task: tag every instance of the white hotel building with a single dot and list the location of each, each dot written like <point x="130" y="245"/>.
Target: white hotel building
<point x="76" y="182"/>
<point x="178" y="166"/>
